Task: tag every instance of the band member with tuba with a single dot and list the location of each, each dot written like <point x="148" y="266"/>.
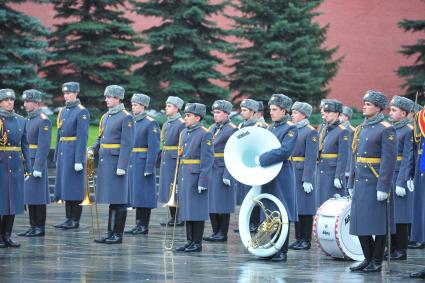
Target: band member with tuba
<point x="141" y="171"/>
<point x="196" y="161"/>
<point x="114" y="145"/>
<point x="39" y="132"/>
<point x="248" y="109"/>
<point x="283" y="186"/>
<point x="70" y="155"/>
<point x="334" y="142"/>
<point x="345" y="118"/>
<point x="403" y="197"/>
<point x="170" y="138"/>
<point x="304" y="158"/>
<point x="371" y="175"/>
<point x="222" y="193"/>
<point x="14" y="166"/>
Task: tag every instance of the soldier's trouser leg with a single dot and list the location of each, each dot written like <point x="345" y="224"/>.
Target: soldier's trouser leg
<point x="214" y="218"/>
<point x="2" y="243"/>
<point x="77" y="209"/>
<point x="146" y="216"/>
<point x="224" y="223"/>
<point x="284" y="248"/>
<point x="138" y="216"/>
<point x="7" y="224"/>
<point x="379" y="247"/>
<point x="32" y="213"/>
<point x="402" y="237"/>
<point x="119" y="225"/>
<point x="366" y="242"/>
<point x="189" y="229"/>
<point x="298" y="229"/>
<point x="198" y="231"/>
<point x="68" y="210"/>
<point x="255" y="216"/>
<point x="172" y="213"/>
<point x="306" y="226"/>
<point x="111" y="223"/>
<point x="40" y="215"/>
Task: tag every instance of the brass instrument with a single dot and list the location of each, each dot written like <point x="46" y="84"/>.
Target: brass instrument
<point x="87" y="201"/>
<point x="271" y="226"/>
<point x="173" y="202"/>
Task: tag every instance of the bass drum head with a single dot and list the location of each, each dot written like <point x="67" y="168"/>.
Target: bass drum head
<point x="332" y="227"/>
<point x="349" y="244"/>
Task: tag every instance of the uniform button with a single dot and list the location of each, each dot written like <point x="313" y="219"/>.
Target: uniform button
<point x="367" y="139"/>
<point x="101" y="160"/>
<point x="365" y="166"/>
<point x="321" y="172"/>
<point x="182" y="179"/>
<point x="10" y="157"/>
<point x="109" y="115"/>
<point x="131" y="166"/>
<point x="422" y="174"/>
<point x="365" y="152"/>
<point x="103" y="137"/>
<point x="366" y="180"/>
<point x="10" y="171"/>
<point x="8" y="143"/>
<point x="373" y="127"/>
<point x="8" y="131"/>
<point x="61" y="153"/>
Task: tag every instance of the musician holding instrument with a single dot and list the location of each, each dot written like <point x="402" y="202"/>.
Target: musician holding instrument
<point x="248" y="109"/>
<point x="222" y="191"/>
<point x="39" y="132"/>
<point x="170" y="133"/>
<point x="374" y="158"/>
<point x="196" y="161"/>
<point x="73" y="123"/>
<point x="114" y="145"/>
<point x="283" y="186"/>
<point x="402" y="184"/>
<point x="141" y="171"/>
<point x="334" y="141"/>
<point x="304" y="158"/>
<point x="14" y="166"/>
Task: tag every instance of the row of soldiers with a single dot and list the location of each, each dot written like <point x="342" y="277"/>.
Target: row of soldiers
<point x="329" y="160"/>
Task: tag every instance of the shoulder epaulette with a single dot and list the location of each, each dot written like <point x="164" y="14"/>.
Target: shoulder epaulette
<point x="352" y="128"/>
<point x="19" y="116"/>
<point x="126" y="112"/>
<point x="290" y="123"/>
<point x="311" y="127"/>
<point x="209" y="129"/>
<point x="181" y="120"/>
<point x="385" y="124"/>
<point x="410" y="126"/>
<point x="233" y="125"/>
<point x="205" y="129"/>
<point x="81" y="106"/>
<point x="150" y="118"/>
<point x="43" y="116"/>
<point x="341" y="127"/>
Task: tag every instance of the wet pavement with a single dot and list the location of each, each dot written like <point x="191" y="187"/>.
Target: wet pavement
<point x="71" y="255"/>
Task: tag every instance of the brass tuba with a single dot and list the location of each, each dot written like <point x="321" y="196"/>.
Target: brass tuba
<point x="239" y="156"/>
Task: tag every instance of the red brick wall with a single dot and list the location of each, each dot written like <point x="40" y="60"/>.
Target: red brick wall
<point x="366" y="32"/>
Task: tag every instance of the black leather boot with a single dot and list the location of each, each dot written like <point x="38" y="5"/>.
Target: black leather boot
<point x="7" y="235"/>
<point x="143" y="227"/>
<point x="214" y="219"/>
<point x="138" y="221"/>
<point x="68" y="213"/>
<point x="374" y="266"/>
<point x="31" y="210"/>
<point x="111" y="223"/>
<point x="76" y="210"/>
<point x="188" y="237"/>
<point x="197" y="232"/>
<point x="360" y="266"/>
<point x="303" y="245"/>
<point x="39" y="221"/>
<point x="418" y="274"/>
<point x="223" y="229"/>
<point x="119" y="226"/>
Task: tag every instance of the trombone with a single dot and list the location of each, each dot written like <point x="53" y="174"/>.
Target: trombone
<point x="173" y="202"/>
<point x="87" y="201"/>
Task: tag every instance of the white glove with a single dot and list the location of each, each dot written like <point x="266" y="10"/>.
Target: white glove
<point x="411" y="185"/>
<point x="350" y="192"/>
<point x="37" y="174"/>
<point x="26" y="177"/>
<point x="90" y="152"/>
<point x="400" y="191"/>
<point x="147" y="174"/>
<point x="78" y="167"/>
<point x="381" y="196"/>
<point x="337" y="183"/>
<point x="257" y="160"/>
<point x="308" y="187"/>
<point x="226" y="182"/>
<point x="120" y="172"/>
<point x="201" y="189"/>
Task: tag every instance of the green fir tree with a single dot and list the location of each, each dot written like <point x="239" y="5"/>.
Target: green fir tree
<point x="94" y="45"/>
<point x="414" y="75"/>
<point x="282" y="51"/>
<point x="23" y="50"/>
<point x="182" y="59"/>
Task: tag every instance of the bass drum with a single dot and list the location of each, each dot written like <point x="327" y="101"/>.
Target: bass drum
<point x="331" y="230"/>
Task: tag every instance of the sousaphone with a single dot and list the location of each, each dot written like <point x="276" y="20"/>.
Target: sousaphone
<point x="239" y="156"/>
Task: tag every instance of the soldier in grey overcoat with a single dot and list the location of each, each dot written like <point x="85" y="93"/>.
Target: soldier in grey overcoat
<point x="334" y="142"/>
<point x="196" y="161"/>
<point x="114" y="145"/>
<point x="221" y="190"/>
<point x="39" y="131"/>
<point x="403" y="197"/>
<point x="304" y="158"/>
<point x="14" y="166"/>
<point x="73" y="123"/>
<point x="170" y="133"/>
<point x="371" y="176"/>
<point x="345" y="118"/>
<point x="141" y="171"/>
<point x="283" y="186"/>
